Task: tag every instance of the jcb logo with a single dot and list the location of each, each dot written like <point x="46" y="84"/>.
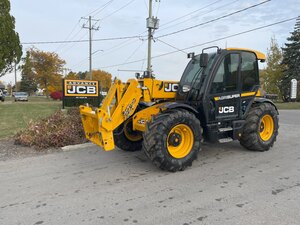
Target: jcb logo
<point x="169" y="87"/>
<point x="81" y="90"/>
<point x="226" y="109"/>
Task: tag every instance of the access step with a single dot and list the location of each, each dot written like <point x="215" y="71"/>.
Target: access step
<point x="224" y="129"/>
<point x="225" y="140"/>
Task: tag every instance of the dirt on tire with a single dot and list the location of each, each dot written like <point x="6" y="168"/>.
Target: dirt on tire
<point x="250" y="138"/>
<point x="156" y="135"/>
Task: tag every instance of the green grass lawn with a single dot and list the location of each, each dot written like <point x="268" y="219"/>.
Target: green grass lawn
<point x="288" y="105"/>
<point x="15" y="115"/>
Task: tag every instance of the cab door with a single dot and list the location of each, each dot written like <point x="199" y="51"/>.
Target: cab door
<point x="224" y="91"/>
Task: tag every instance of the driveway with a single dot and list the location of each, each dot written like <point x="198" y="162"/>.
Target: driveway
<point x="226" y="185"/>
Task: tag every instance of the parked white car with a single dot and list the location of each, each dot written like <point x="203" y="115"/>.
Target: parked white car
<point x="21" y="96"/>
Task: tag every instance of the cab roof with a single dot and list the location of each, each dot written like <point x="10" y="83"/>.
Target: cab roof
<point x="259" y="55"/>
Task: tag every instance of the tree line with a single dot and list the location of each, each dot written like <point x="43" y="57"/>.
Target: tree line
<point x="39" y="69"/>
<point x="283" y="65"/>
<point x="44" y="70"/>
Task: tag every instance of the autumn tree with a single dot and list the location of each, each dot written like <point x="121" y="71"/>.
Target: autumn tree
<point x="56" y="84"/>
<point x="272" y="74"/>
<point x="104" y="77"/>
<point x="291" y="60"/>
<point x="82" y="75"/>
<point x="47" y="67"/>
<point x="72" y="75"/>
<point x="28" y="83"/>
<point x="10" y="47"/>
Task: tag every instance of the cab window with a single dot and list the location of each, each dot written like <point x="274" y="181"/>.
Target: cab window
<point x="249" y="71"/>
<point x="226" y="78"/>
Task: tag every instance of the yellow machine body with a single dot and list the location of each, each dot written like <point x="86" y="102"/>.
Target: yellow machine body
<point x="122" y="101"/>
<point x="120" y="104"/>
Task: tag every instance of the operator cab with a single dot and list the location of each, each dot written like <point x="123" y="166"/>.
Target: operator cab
<point x="221" y="86"/>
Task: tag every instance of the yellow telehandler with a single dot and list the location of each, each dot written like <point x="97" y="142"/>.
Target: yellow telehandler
<point x="216" y="100"/>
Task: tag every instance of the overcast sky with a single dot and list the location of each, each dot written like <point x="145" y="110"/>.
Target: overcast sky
<point x="57" y="20"/>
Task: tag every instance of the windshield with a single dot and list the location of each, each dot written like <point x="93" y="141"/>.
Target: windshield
<point x="21" y="94"/>
<point x="193" y="70"/>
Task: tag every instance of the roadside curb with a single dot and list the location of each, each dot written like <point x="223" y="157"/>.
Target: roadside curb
<point x="75" y="147"/>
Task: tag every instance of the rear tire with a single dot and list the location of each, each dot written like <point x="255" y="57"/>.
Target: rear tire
<point x="172" y="139"/>
<point x="127" y="139"/>
<point x="261" y="128"/>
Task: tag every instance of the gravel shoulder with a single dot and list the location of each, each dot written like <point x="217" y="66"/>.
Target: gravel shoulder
<point x="8" y="150"/>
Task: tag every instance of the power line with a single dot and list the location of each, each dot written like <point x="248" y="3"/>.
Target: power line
<point x="172" y="46"/>
<point x="188" y="14"/>
<point x="69" y="35"/>
<point x="210" y="11"/>
<point x="213" y="20"/>
<point x="146" y="5"/>
<point x="112" y="49"/>
<point x="208" y="42"/>
<point x="72" y="46"/>
<point x="100" y="9"/>
<point x="124" y="6"/>
<point x="158" y="8"/>
<point x="81" y="41"/>
<point x="134" y="52"/>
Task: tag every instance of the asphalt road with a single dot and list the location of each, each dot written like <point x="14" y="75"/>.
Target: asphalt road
<point x="226" y="185"/>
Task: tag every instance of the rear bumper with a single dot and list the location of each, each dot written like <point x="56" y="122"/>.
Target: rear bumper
<point x="21" y="99"/>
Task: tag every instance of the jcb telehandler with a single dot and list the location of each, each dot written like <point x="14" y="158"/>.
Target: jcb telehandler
<point x="216" y="100"/>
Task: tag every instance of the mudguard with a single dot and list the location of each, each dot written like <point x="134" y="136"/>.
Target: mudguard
<point x="176" y="105"/>
<point x="263" y="100"/>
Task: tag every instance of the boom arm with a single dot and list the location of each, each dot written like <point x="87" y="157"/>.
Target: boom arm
<point x="120" y="104"/>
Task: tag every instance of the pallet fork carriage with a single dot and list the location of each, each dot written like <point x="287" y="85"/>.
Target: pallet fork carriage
<point x="217" y="99"/>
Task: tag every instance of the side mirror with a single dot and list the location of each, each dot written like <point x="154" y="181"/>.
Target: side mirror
<point x="191" y="55"/>
<point x="137" y="75"/>
<point x="203" y="59"/>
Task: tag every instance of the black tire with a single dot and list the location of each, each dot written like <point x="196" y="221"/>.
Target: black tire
<point x="251" y="138"/>
<point x="155" y="144"/>
<point x="122" y="141"/>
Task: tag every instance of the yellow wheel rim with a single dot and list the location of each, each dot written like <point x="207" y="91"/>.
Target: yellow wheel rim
<point x="266" y="127"/>
<point x="180" y="141"/>
<point x="130" y="134"/>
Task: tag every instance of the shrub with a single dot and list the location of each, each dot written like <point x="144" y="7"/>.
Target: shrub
<point x="58" y="130"/>
<point x="57" y="95"/>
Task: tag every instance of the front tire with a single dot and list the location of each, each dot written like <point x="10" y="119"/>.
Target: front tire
<point x="261" y="128"/>
<point x="127" y="139"/>
<point x="172" y="139"/>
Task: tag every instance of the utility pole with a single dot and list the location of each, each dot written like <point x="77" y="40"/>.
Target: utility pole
<point x="16" y="88"/>
<point x="65" y="71"/>
<point x="91" y="27"/>
<point x="152" y="24"/>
